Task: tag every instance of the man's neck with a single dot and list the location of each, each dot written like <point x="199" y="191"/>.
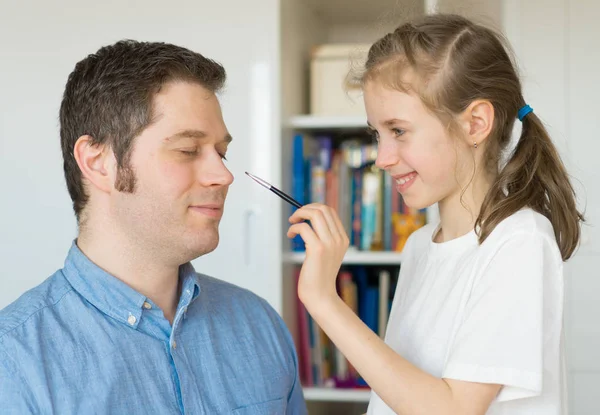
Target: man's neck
<point x="133" y="264"/>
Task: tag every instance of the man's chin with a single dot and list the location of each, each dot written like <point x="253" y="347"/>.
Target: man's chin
<point x="201" y="248"/>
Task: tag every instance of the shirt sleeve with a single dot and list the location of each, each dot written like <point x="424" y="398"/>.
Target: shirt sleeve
<point x="12" y="397"/>
<point x="502" y="334"/>
<point x="296" y="405"/>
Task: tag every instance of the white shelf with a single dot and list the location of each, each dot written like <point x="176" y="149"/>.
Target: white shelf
<point x="355" y="257"/>
<point x="311" y="122"/>
<point x="337" y="395"/>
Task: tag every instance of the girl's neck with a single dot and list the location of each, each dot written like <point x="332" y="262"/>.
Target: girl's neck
<point x="459" y="211"/>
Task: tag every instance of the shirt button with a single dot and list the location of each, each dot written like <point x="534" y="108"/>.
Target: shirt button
<point x="131" y="320"/>
<point x="185" y="309"/>
<point x="174" y="344"/>
<point x="147" y="305"/>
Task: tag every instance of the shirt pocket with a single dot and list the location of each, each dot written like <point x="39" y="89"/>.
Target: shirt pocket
<point x="273" y="407"/>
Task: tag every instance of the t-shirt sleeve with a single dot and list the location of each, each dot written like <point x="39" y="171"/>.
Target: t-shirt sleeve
<point x="501" y="337"/>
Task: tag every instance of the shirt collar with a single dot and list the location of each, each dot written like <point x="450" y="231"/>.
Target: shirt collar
<point x="190" y="287"/>
<point x="111" y="295"/>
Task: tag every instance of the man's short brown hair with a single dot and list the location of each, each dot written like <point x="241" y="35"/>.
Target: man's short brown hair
<point x="109" y="97"/>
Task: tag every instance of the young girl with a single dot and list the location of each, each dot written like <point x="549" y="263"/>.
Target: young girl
<point x="476" y="322"/>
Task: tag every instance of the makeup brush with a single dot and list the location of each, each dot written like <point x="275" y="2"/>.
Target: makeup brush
<point x="275" y="190"/>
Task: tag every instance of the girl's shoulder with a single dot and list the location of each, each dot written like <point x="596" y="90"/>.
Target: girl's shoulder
<point x="525" y="221"/>
<point x="525" y="227"/>
<point x="422" y="237"/>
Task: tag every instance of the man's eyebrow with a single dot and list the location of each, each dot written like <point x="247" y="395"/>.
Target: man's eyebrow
<point x="197" y="134"/>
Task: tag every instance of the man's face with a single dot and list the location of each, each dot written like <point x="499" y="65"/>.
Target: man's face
<point x="180" y="178"/>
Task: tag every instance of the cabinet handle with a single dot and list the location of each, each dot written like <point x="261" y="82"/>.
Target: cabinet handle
<point x="247" y="238"/>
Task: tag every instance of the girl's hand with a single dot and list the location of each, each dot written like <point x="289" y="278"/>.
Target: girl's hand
<point x="326" y="244"/>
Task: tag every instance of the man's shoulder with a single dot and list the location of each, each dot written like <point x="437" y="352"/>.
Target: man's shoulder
<point x="238" y="302"/>
<point x="246" y="314"/>
<point x="39" y="299"/>
<point x="219" y="291"/>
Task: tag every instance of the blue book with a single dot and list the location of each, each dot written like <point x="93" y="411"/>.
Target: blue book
<point x="372" y="308"/>
<point x="325" y="151"/>
<point x="368" y="306"/>
<point x="298" y="183"/>
<point x="361" y="280"/>
<point x="356" y="208"/>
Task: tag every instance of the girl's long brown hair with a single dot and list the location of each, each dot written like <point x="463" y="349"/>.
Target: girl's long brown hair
<point x="451" y="62"/>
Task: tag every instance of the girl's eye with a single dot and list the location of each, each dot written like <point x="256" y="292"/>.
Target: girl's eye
<point x="189" y="152"/>
<point x="398" y="132"/>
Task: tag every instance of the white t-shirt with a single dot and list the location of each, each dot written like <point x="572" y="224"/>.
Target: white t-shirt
<point x="489" y="313"/>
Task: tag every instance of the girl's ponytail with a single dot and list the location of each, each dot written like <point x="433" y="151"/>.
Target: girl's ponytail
<point x="534" y="177"/>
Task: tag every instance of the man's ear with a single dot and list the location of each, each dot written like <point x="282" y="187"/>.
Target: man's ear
<point x="94" y="161"/>
<point x="477" y="121"/>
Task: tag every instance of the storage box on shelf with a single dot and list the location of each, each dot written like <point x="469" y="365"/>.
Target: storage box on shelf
<point x="331" y="89"/>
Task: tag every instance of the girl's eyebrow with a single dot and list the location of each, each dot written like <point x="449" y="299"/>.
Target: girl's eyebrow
<point x="394" y="121"/>
<point x="390" y="122"/>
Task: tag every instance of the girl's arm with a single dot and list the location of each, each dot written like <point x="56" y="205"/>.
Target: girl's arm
<point x="405" y="388"/>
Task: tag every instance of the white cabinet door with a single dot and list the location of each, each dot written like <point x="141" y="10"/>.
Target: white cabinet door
<point x="244" y="37"/>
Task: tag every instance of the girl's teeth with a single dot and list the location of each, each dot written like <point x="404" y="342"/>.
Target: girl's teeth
<point x="404" y="179"/>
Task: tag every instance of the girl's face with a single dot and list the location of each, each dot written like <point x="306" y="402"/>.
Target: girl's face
<point x="427" y="164"/>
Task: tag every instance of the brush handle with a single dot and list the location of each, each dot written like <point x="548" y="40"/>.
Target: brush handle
<point x="286" y="197"/>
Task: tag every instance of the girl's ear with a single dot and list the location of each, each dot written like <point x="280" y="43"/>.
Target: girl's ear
<point x="477" y="121"/>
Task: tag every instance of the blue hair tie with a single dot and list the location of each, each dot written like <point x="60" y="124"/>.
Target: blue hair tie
<point x="526" y="109"/>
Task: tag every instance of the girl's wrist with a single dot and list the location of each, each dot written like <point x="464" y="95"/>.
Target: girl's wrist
<point x="321" y="304"/>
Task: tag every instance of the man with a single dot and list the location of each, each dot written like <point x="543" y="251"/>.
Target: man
<point x="128" y="326"/>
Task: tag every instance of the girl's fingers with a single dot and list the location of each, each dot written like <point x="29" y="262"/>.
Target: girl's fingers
<point x="342" y="230"/>
<point x="326" y="225"/>
<point x="305" y="231"/>
<point x="319" y="222"/>
<point x="334" y="222"/>
<point x="301" y="213"/>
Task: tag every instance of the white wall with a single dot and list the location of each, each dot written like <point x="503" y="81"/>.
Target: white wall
<point x="551" y="39"/>
<point x="41" y="41"/>
<point x="583" y="124"/>
<point x="488" y="12"/>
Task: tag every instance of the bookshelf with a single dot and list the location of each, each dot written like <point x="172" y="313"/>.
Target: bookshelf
<point x="336" y="395"/>
<point x="316" y="123"/>
<point x="306" y="24"/>
<point x="354" y="257"/>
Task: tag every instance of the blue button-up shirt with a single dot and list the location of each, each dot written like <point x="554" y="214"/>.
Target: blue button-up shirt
<point x="84" y="342"/>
